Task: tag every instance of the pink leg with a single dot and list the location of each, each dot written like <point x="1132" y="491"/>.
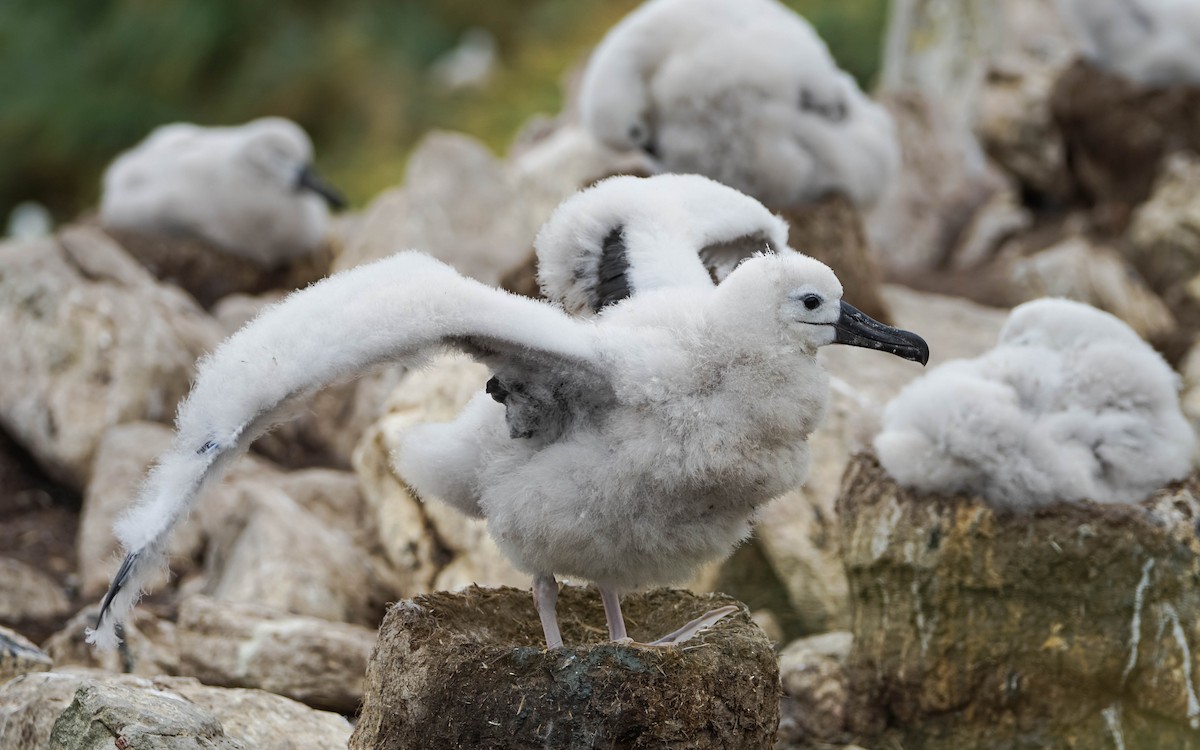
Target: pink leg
<point x="612" y="612"/>
<point x="545" y="598"/>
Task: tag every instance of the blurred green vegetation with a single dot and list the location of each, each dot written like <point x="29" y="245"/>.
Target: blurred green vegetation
<point x="82" y="81"/>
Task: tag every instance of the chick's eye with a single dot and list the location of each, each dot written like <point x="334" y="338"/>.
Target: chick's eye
<point x="635" y="133"/>
<point x="811" y="301"/>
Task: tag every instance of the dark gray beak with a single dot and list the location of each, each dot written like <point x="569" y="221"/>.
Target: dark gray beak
<point x="309" y="180"/>
<point x="858" y="329"/>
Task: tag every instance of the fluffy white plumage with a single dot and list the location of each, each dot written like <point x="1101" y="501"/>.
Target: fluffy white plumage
<point x="1070" y="405"/>
<point x="248" y="189"/>
<point x="1154" y="42"/>
<point x="601" y="246"/>
<point x="624" y="448"/>
<point x="743" y="91"/>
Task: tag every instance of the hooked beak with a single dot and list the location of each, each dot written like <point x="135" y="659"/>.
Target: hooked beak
<point x="858" y="329"/>
<point x="309" y="180"/>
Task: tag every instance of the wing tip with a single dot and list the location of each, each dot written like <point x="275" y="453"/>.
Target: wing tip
<point x="117" y="603"/>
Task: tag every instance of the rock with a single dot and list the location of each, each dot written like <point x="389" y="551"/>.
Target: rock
<point x="105" y="714"/>
<point x="831" y="231"/>
<point x="1078" y="269"/>
<point x="459" y="204"/>
<point x="150" y="645"/>
<point x="32" y="706"/>
<point x="1164" y="238"/>
<point x="269" y="550"/>
<point x="1117" y="135"/>
<point x="236" y="310"/>
<point x="29" y="706"/>
<point x="126" y="452"/>
<point x="471" y="670"/>
<point x="942" y="50"/>
<point x="430" y="546"/>
<point x="549" y="167"/>
<point x="1069" y="627"/>
<point x="314" y="661"/>
<point x="816" y="689"/>
<point x="300" y="542"/>
<point x="944" y="180"/>
<point x="1190" y="396"/>
<point x="264" y="721"/>
<point x="19" y="656"/>
<point x="1164" y="232"/>
<point x="1017" y="129"/>
<point x="27" y="593"/>
<point x="798" y="532"/>
<point x="93" y="341"/>
<point x="209" y="273"/>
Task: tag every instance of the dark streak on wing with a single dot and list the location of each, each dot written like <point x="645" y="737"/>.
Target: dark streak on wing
<point x="118" y="582"/>
<point x="612" y="280"/>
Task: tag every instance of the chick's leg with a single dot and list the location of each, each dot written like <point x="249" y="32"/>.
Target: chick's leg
<point x="545" y="598"/>
<point x="612" y="612"/>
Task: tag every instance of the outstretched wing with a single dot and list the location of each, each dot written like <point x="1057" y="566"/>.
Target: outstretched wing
<point x="628" y="234"/>
<point x="400" y="309"/>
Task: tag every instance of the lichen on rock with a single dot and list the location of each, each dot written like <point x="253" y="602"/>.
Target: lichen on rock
<point x="1070" y="626"/>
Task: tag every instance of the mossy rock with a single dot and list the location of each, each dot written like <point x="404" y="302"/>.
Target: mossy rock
<point x="1072" y="626"/>
<point x="471" y="670"/>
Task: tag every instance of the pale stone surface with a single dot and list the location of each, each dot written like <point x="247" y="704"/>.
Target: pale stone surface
<point x="816" y="689"/>
<point x="944" y="180"/>
<point x="1165" y="234"/>
<point x="93" y="340"/>
<point x="30" y="707"/>
<point x="104" y="714"/>
<point x="149" y="649"/>
<point x="126" y="452"/>
<point x="1079" y="269"/>
<point x="18" y="655"/>
<point x="430" y="546"/>
<point x="27" y="593"/>
<point x="471" y="670"/>
<point x="458" y="203"/>
<point x="236" y="310"/>
<point x="1190" y="397"/>
<point x="1017" y="129"/>
<point x="314" y="661"/>
<point x="300" y="541"/>
<point x="269" y="550"/>
<point x="980" y="629"/>
<point x="942" y="48"/>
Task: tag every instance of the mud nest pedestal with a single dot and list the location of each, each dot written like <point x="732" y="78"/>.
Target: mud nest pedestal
<point x="471" y="670"/>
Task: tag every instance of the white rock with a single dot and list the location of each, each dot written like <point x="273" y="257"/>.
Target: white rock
<point x="430" y="546"/>
<point x="1086" y="272"/>
<point x="92" y="341"/>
